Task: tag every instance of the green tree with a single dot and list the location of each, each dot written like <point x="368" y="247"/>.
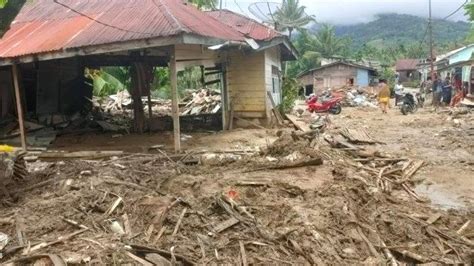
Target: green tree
<point x="470" y="13"/>
<point x="291" y="16"/>
<point x="205" y="4"/>
<point x="326" y="43"/>
<point x="8" y="11"/>
<point x="314" y="47"/>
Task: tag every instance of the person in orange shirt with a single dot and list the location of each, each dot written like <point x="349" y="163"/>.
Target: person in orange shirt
<point x="384" y="96"/>
<point x="459" y="91"/>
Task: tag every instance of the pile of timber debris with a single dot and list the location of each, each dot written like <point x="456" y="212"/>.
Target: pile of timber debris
<point x="202" y="101"/>
<point x="164" y="209"/>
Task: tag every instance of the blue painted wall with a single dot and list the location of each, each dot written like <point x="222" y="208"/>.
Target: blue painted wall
<point x="362" y="77"/>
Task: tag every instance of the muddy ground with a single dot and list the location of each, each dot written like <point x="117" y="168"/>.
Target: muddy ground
<point x="444" y="141"/>
<point x="126" y="208"/>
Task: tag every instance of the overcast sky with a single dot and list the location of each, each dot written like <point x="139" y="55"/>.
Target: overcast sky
<point x="354" y="11"/>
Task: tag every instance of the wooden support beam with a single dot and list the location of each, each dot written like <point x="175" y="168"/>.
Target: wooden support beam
<point x="136" y="91"/>
<point x="212" y="82"/>
<point x="203" y="77"/>
<point x="19" y="107"/>
<point x="123" y="60"/>
<point x="174" y="101"/>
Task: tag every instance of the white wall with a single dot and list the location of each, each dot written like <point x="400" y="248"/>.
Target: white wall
<point x="272" y="58"/>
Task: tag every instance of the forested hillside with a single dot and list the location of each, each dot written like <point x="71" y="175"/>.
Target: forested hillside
<point x="395" y="29"/>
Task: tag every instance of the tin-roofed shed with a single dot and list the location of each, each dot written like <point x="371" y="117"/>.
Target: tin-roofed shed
<point x="51" y="42"/>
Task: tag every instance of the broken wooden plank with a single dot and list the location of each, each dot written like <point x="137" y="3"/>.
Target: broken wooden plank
<point x="180" y="220"/>
<point x="463" y="227"/>
<point x="275" y="110"/>
<point x="433" y="218"/>
<point x="225" y="224"/>
<point x="299" y="124"/>
<point x="57" y="241"/>
<point x="289" y="165"/>
<point x="157" y="259"/>
<point x="78" y="155"/>
<point x="358" y="136"/>
<point x="138" y="259"/>
<point x="243" y="253"/>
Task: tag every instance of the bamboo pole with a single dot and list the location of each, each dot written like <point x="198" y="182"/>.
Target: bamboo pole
<point x="19" y="107"/>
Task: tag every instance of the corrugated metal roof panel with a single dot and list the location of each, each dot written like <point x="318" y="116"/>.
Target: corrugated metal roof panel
<point x="245" y="25"/>
<point x="406" y="64"/>
<point x="45" y="26"/>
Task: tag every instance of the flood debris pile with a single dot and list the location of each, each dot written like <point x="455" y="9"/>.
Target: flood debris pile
<point x="195" y="102"/>
<point x="164" y="209"/>
<point x="203" y="101"/>
<point x="360" y="97"/>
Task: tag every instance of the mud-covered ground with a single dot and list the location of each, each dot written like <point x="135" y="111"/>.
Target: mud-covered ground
<point x="444" y="141"/>
<point x="122" y="210"/>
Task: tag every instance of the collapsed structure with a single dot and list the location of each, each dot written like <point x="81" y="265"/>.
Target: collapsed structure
<point x="45" y="52"/>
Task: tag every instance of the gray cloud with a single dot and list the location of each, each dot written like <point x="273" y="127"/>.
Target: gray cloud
<point x="355" y="11"/>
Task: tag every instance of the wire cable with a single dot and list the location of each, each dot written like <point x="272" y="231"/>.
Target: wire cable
<point x="424" y="36"/>
<point x="241" y="10"/>
<point x="456" y="11"/>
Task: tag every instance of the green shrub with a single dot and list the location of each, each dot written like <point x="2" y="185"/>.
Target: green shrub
<point x="290" y="94"/>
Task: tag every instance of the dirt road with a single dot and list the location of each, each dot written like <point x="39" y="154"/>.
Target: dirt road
<point x="444" y="141"/>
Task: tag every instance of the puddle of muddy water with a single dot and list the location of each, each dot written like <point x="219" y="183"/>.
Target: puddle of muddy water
<point x="439" y="197"/>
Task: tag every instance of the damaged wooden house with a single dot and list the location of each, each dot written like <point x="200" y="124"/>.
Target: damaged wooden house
<point x="49" y="45"/>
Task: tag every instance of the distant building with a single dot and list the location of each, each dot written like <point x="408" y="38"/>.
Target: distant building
<point x="335" y="75"/>
<point x="407" y="70"/>
<point x="459" y="64"/>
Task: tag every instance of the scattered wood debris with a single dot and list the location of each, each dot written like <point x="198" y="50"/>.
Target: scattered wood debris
<point x="137" y="209"/>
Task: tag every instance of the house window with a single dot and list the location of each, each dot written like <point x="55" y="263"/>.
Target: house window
<point x="275" y="80"/>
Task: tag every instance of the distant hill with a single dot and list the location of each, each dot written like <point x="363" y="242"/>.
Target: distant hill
<point x="389" y="29"/>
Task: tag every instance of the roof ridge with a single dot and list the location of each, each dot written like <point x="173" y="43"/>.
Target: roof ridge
<point x="169" y="15"/>
<point x="228" y="27"/>
<point x="242" y="16"/>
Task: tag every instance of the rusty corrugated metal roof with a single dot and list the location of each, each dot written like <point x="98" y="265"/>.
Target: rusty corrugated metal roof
<point x="406" y="64"/>
<point x="245" y="25"/>
<point x="45" y="26"/>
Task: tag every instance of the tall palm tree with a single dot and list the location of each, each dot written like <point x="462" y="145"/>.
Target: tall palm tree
<point x="326" y="43"/>
<point x="204" y="4"/>
<point x="291" y="16"/>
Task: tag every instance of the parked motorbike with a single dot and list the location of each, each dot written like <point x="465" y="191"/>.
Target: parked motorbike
<point x="409" y="104"/>
<point x="331" y="105"/>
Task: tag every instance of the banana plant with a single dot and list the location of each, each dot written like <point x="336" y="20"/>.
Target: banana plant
<point x="105" y="83"/>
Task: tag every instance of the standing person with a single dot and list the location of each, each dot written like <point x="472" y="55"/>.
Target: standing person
<point x="447" y="91"/>
<point x="384" y="95"/>
<point x="425" y="88"/>
<point x="436" y="88"/>
<point x="398" y="92"/>
<point x="459" y="91"/>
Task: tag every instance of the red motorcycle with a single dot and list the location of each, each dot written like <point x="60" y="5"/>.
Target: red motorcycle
<point x="331" y="105"/>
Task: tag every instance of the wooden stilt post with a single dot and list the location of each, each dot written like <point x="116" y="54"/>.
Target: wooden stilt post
<point x="174" y="99"/>
<point x="203" y="78"/>
<point x="19" y="107"/>
<point x="136" y="91"/>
